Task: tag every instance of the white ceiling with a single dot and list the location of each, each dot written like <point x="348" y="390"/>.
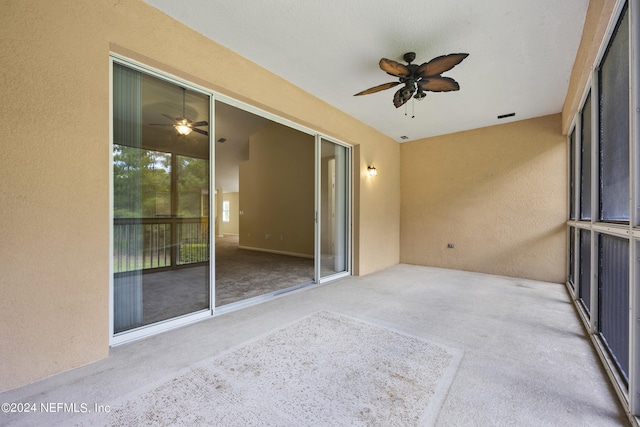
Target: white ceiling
<point x="520" y="53"/>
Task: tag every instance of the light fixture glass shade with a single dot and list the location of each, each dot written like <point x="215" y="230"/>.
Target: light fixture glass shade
<point x="183" y="128"/>
<point x="371" y="170"/>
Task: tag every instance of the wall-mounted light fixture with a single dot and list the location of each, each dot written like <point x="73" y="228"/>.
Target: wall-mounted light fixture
<point x="371" y="171"/>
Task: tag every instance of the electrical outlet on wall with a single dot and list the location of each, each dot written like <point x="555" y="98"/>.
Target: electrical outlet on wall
<point x="267" y="237"/>
<point x="282" y="237"/>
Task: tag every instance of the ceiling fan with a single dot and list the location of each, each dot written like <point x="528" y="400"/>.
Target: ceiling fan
<point x="418" y="79"/>
<point x="183" y="125"/>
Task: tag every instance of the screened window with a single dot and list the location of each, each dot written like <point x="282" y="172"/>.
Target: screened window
<point x="585" y="268"/>
<point x="614" y="126"/>
<point x="572" y="172"/>
<point x="572" y="240"/>
<point x="614" y="297"/>
<point x="585" y="161"/>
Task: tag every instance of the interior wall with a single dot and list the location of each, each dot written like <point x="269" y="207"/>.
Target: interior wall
<point x="233" y="226"/>
<point x="498" y="194"/>
<point x="277" y="192"/>
<point x="54" y="201"/>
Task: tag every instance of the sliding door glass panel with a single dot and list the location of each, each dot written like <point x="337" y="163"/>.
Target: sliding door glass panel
<point x="585" y="161"/>
<point x="265" y="206"/>
<point x="128" y="232"/>
<point x="613" y="298"/>
<point x="614" y="126"/>
<point x="160" y="193"/>
<point x="334" y="248"/>
<point x="584" y="258"/>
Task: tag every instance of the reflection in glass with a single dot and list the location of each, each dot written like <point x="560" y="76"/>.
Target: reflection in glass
<point x="160" y="201"/>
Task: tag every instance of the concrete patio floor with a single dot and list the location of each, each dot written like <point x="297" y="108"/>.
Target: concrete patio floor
<point x="527" y="360"/>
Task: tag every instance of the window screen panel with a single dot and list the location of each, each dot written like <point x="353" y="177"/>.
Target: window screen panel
<point x="613" y="301"/>
<point x="614" y="126"/>
<point x="585" y="161"/>
<point x="571" y="253"/>
<point x="572" y="178"/>
<point x="585" y="268"/>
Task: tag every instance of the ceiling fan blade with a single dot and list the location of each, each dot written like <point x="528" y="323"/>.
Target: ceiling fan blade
<point x="377" y="88"/>
<point x="439" y="84"/>
<point x="159" y="124"/>
<point x="202" y="123"/>
<point x="440" y="64"/>
<point x="203" y="132"/>
<point x="394" y="68"/>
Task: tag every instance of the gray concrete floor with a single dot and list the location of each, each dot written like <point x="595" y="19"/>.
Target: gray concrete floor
<point x="527" y="360"/>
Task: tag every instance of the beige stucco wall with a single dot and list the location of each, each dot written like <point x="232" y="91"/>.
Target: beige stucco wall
<point x="54" y="167"/>
<point x="497" y="193"/>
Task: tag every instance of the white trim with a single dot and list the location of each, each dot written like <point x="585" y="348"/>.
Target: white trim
<point x="317" y="223"/>
<point x="634" y="201"/>
<point x="111" y="201"/>
<point x="213" y="211"/>
<point x="158" y="327"/>
<point x="611" y="229"/>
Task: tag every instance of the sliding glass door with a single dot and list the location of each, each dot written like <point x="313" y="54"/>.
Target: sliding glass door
<point x="161" y="188"/>
<point x="202" y="226"/>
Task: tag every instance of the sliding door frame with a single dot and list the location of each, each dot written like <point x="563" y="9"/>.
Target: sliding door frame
<point x="318" y="209"/>
<point x="162" y="326"/>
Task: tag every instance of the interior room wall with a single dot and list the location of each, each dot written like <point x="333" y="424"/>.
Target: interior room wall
<point x="233" y="226"/>
<point x="54" y="201"/>
<point x="498" y="194"/>
<point x="277" y="192"/>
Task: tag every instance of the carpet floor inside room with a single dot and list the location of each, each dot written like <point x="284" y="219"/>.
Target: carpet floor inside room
<point x="408" y="345"/>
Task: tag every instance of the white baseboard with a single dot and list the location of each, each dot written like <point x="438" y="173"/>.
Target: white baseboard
<point x="271" y="251"/>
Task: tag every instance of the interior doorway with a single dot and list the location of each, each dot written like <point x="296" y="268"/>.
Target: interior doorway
<point x="265" y="176"/>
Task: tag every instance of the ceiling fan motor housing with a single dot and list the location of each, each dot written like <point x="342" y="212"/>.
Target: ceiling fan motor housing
<point x="409" y="57"/>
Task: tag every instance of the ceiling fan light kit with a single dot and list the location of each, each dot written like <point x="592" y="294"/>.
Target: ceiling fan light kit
<point x="418" y="80"/>
<point x="183" y="125"/>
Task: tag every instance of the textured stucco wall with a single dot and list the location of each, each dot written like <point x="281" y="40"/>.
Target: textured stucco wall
<point x="54" y="201"/>
<point x="497" y="193"/>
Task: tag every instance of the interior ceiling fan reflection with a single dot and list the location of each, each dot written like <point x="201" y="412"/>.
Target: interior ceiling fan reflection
<point x="183" y="125"/>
